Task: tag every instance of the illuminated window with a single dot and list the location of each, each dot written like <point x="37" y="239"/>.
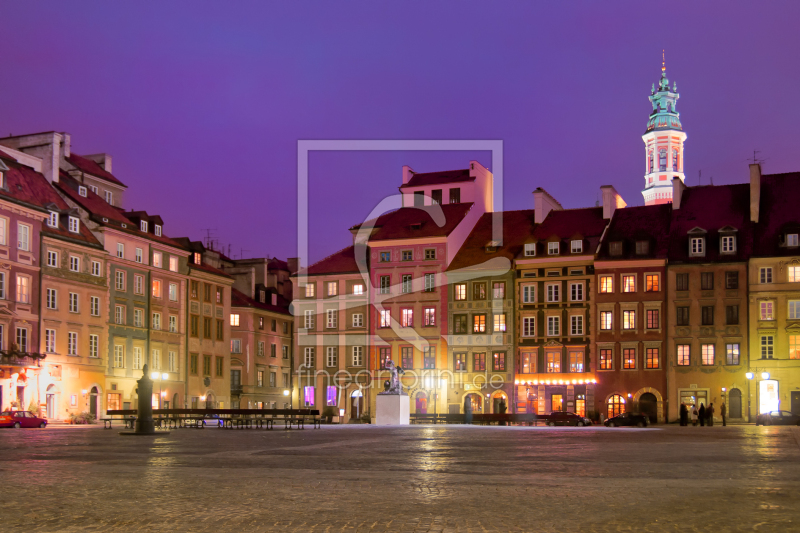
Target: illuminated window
<point x="156" y="288"/>
<point x="606" y="284"/>
<point x="459" y="362"/>
<point x="707" y="354"/>
<point x="606" y="359"/>
<point x="358" y="289"/>
<point x="478" y="362"/>
<point x="157" y="259"/>
<point x="333" y="288"/>
<point x="528" y="362"/>
<point x="793" y="273"/>
<point x="766" y="311"/>
<point x="386" y="318"/>
<point x="479" y="324"/>
<point x="499" y="361"/>
<point x="429" y="316"/>
<point x="628" y="283"/>
<point x="553" y="362"/>
<point x="606" y="320"/>
<point x="652" y="283"/>
<point x="499" y="322"/>
<point x="651" y="358"/>
<point x="173" y="264"/>
<point x="234" y="319"/>
<point x="429" y="357"/>
<point x="629" y="320"/>
<point x="407" y="318"/>
<point x="616" y="405"/>
<point x="794" y="346"/>
<point x="576" y="361"/>
<point x="684" y="356"/>
<point x="310" y="290"/>
<point x="629" y="358"/>
<point x="460" y="291"/>
<point x="732" y="354"/>
<point x="407" y="357"/>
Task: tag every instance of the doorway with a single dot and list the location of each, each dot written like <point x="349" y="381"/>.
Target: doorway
<point x="93" y="395"/>
<point x="356" y="404"/>
<point x="50" y="395"/>
<point x="648" y="405"/>
<point x="499" y="397"/>
<point x="175" y="404"/>
<point x="477" y="402"/>
<point x="795" y="402"/>
<point x="422" y="403"/>
<point x="556" y="402"/>
<point x="735" y="404"/>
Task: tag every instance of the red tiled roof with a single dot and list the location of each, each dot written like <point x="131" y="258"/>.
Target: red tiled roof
<point x="437" y="178"/>
<point x="103" y="213"/>
<point x="629" y="225"/>
<point x="711" y="208"/>
<point x="564" y="225"/>
<point x="342" y="262"/>
<point x="240" y="299"/>
<point x="777" y="214"/>
<point x="517" y="228"/>
<point x="418" y="222"/>
<point x="90" y="167"/>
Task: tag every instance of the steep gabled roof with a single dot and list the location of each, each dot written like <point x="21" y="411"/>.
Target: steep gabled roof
<point x="649" y="223"/>
<point x="778" y="214"/>
<point x="342" y="262"/>
<point x="517" y="228"/>
<point x="240" y="299"/>
<point x="438" y="178"/>
<point x="417" y="222"/>
<point x="90" y="167"/>
<point x="712" y="207"/>
<point x="562" y="225"/>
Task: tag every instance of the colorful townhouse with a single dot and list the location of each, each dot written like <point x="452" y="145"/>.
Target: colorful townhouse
<point x="555" y="289"/>
<point x="774" y="303"/>
<point x="707" y="332"/>
<point x="630" y="307"/>
<point x="332" y="324"/>
<point x="481" y="332"/>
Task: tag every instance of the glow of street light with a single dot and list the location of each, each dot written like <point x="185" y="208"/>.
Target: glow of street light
<point x="749" y="375"/>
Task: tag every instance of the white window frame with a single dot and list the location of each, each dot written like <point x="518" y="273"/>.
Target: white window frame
<point x="358" y="356"/>
<point x="553" y="292"/>
<point x="358" y="320"/>
<point x="72" y="343"/>
<point x="52" y="259"/>
<point x="331" y="318"/>
<point x="143" y="226"/>
<point x="158" y="230"/>
<point x="552" y="248"/>
<point x="529" y="294"/>
<point x="308" y="319"/>
<point x="94" y="305"/>
<point x="119" y="356"/>
<point x="50" y="341"/>
<point x="576" y="324"/>
<point x="573" y="292"/>
<point x="74" y="225"/>
<point x="173" y="292"/>
<point x="697" y="246"/>
<point x="94" y="345"/>
<point x="576" y="246"/>
<point x="23" y="237"/>
<point x="528" y="326"/>
<point x="157" y="259"/>
<point x="139" y="257"/>
<point x="121" y="250"/>
<point x="74" y="302"/>
<point x="119" y="280"/>
<point x="74" y="263"/>
<point x="331" y="356"/>
<point x="553" y="326"/>
<point x="52" y="220"/>
<point x="728" y="244"/>
<point x="173" y="263"/>
<point x="765" y="275"/>
<point x="530" y="249"/>
<point x="96" y="268"/>
<point x="156" y="321"/>
<point x="138" y="318"/>
<point x="51" y="298"/>
<point x="235" y="319"/>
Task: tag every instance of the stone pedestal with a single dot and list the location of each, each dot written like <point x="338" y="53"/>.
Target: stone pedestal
<point x="392" y="410"/>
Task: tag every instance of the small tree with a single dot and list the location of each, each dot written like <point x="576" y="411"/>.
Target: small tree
<point x="33" y="408"/>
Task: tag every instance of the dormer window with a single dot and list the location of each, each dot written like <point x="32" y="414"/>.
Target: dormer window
<point x="642" y="247"/>
<point x="74" y="224"/>
<point x="110" y="197"/>
<point x="728" y="244"/>
<point x="552" y="248"/>
<point x="82" y="191"/>
<point x="491" y="247"/>
<point x="576" y="246"/>
<point x="143" y="226"/>
<point x="158" y="230"/>
<point x="530" y="249"/>
<point x="52" y="221"/>
<point x="455" y="196"/>
<point x="697" y="246"/>
<point x="262" y="296"/>
<point x="196" y="258"/>
<point x="791" y="239"/>
<point x="615" y="248"/>
<point x="94" y="189"/>
<point x="3" y="184"/>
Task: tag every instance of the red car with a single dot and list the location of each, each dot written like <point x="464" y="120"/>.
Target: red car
<point x="20" y="419"/>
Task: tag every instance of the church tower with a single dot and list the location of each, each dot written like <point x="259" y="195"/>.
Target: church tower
<point x="663" y="141"/>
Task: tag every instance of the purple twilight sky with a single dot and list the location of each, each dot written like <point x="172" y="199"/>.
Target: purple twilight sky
<point x="201" y="103"/>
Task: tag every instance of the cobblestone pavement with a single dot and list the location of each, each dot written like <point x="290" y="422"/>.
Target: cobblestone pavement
<point x="411" y="479"/>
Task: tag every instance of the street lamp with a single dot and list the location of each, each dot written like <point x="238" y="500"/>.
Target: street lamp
<point x="750" y="376"/>
<point x="286" y="392"/>
<point x="160" y="377"/>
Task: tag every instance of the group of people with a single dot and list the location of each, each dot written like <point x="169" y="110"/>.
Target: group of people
<point x="704" y="415"/>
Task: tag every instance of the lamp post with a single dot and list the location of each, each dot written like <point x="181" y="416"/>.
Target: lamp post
<point x="750" y="376"/>
<point x="160" y="377"/>
<point x="286" y="392"/>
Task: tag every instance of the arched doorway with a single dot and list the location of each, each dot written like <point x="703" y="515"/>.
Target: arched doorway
<point x="648" y="405"/>
<point x="496" y="399"/>
<point x="210" y="400"/>
<point x="356" y="404"/>
<point x="93" y="397"/>
<point x="52" y="404"/>
<point x="735" y="403"/>
<point x="422" y="403"/>
<point x="175" y="404"/>
<point x="477" y="402"/>
<point x="616" y="405"/>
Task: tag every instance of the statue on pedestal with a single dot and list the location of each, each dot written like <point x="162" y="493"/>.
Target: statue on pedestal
<point x="394" y="385"/>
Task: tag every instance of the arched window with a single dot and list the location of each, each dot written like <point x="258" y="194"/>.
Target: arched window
<point x="674" y="160"/>
<point x="662" y="159"/>
<point x="616" y="405"/>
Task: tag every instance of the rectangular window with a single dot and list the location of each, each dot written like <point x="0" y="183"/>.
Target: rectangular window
<point x="530" y="249"/>
<point x="615" y="248"/>
<point x="74" y="263"/>
<point x="576" y="246"/>
<point x="52" y="220"/>
<point x="553" y="292"/>
<point x="499" y="361"/>
<point x="430" y="254"/>
<point x="261" y="349"/>
<point x="697" y="246"/>
<point x="728" y="244"/>
<point x="358" y="320"/>
<point x="794" y="309"/>
<point x="358" y="356"/>
<point x="499" y="322"/>
<point x="429" y="357"/>
<point x="707" y="354"/>
<point x="331" y="357"/>
<point x="682" y="316"/>
<point x="428" y="316"/>
<point x="260" y="378"/>
<point x="407" y="318"/>
<point x="707" y="318"/>
<point x="331" y="318"/>
<point x="793" y="274"/>
<point x="358" y="289"/>
<point x="95" y="268"/>
<point x="455" y="195"/>
<point x="653" y="319"/>
<point x="173" y="292"/>
<point x="642" y="247"/>
<point x="794" y="346"/>
<point x="173" y="264"/>
<point x="732" y="279"/>
<point x="73" y="302"/>
<point x="384" y="355"/>
<point x="498" y="290"/>
<point x="406" y="283"/>
<point x="460" y="323"/>
<point x="385" y="287"/>
<point x="707" y="281"/>
<point x="52" y="298"/>
<point x="120" y="250"/>
<point x="23" y="289"/>
<point x="552" y="248"/>
<point x="139" y="256"/>
<point x="119" y="314"/>
<point x="606" y="320"/>
<point x="94" y="346"/>
<point x="478" y="362"/>
<point x="50" y="340"/>
<point x="406" y="255"/>
<point x="332" y="288"/>
<point x="528" y="362"/>
<point x="682" y="282"/>
<point x="386" y="257"/>
<point x="220" y="291"/>
<point x="732" y="354"/>
<point x="460" y="291"/>
<point x="765" y="275"/>
<point x="684" y="356"/>
<point x="119" y="356"/>
<point x="221" y="368"/>
<point x="652" y="283"/>
<point x="732" y="314"/>
<point x="606" y="359"/>
<point x="460" y="362"/>
<point x="553" y="326"/>
<point x="528" y="294"/>
<point x="629" y="320"/>
<point x="195" y="287"/>
<point x="767" y="347"/>
<point x="576" y="361"/>
<point x="792" y="239"/>
<point x="285" y="352"/>
<point x="310" y="290"/>
<point x="553" y="362"/>
<point x="436" y="197"/>
<point x="308" y="395"/>
<point x="206" y="326"/>
<point x="172" y="360"/>
<point x="52" y="259"/>
<point x="628" y="283"/>
<point x="2" y="288"/>
<point x="138" y="360"/>
<point x="308" y="357"/>
<point x="308" y="319"/>
<point x="138" y="318"/>
<point x="156" y="288"/>
<point x="157" y="259"/>
<point x="479" y="323"/>
<point x="766" y="311"/>
<point x="528" y="326"/>
<point x="173" y="324"/>
<point x="138" y="284"/>
<point x="155" y="359"/>
<point x="628" y="358"/>
<point x="236" y="345"/>
<point x="576" y="325"/>
<point x="24" y="237"/>
<point x="386" y="318"/>
<point x="606" y="284"/>
<point x="576" y="292"/>
<point x="207" y="293"/>
<point x="651" y="358"/>
<point x="194" y="326"/>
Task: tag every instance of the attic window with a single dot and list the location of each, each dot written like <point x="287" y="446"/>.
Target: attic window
<point x="615" y="248"/>
<point x="530" y="249"/>
<point x="697" y="246"/>
<point x="3" y="184"/>
<point x="158" y="230"/>
<point x="52" y="221"/>
<point x="491" y="247"/>
<point x="791" y="239"/>
<point x="196" y="258"/>
<point x="416" y="225"/>
<point x="74" y="224"/>
<point x="577" y="246"/>
<point x="642" y="247"/>
<point x="143" y="226"/>
<point x="727" y="244"/>
<point x="82" y="191"/>
<point x="552" y="248"/>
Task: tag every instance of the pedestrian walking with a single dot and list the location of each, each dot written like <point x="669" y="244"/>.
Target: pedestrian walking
<point x="701" y="414"/>
<point x="694" y="415"/>
<point x="684" y="415"/>
<point x="722" y="412"/>
<point x="710" y="414"/>
<point x="502" y="409"/>
<point x="467" y="410"/>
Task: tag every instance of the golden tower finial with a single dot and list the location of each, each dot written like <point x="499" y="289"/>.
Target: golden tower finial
<point x="663" y="63"/>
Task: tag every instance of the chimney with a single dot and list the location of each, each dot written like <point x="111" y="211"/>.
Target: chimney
<point x="46" y="146"/>
<point x="755" y="191"/>
<point x="66" y="145"/>
<point x="104" y="160"/>
<point x="408" y="172"/>
<point x="543" y="203"/>
<point x="293" y="263"/>
<point x="677" y="191"/>
<point x="611" y="201"/>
